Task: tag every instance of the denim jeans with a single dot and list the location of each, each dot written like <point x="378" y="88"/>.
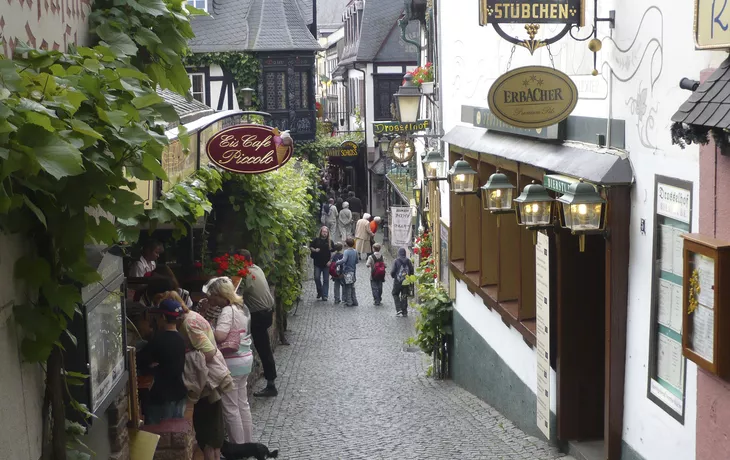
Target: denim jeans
<point x="322" y="280"/>
<point x="338" y="288"/>
<point x="157" y="413"/>
<point x="377" y="287"/>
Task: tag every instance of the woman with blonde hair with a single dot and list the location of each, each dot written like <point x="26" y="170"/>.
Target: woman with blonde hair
<point x="233" y="335"/>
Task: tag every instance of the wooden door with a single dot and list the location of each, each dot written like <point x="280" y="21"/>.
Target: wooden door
<point x="581" y="337"/>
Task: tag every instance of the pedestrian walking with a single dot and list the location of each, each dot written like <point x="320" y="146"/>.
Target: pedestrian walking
<point x="166" y="351"/>
<point x="402" y="268"/>
<point x="260" y="303"/>
<point x="336" y="275"/>
<point x="376" y="264"/>
<point x="349" y="276"/>
<point x="321" y="248"/>
<point x="374" y="224"/>
<point x="363" y="235"/>
<point x="355" y="205"/>
<point x="233" y="336"/>
<point x="344" y="222"/>
<point x="331" y="218"/>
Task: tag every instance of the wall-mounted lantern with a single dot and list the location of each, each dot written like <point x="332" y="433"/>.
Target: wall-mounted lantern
<point x="583" y="210"/>
<point x="535" y="208"/>
<point x="434" y="165"/>
<point x="408" y="101"/>
<point x="497" y="194"/>
<point x="464" y="180"/>
<point x="247" y="94"/>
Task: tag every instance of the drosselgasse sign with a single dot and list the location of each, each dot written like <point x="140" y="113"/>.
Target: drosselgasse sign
<point x="250" y="149"/>
<point x="533" y="97"/>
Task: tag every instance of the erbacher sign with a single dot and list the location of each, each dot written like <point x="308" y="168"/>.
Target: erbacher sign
<point x="531" y="12"/>
<point x="250" y="149"/>
<point x="533" y="97"/>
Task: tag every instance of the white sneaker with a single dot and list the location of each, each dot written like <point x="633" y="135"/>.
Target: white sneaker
<point x="399" y="314"/>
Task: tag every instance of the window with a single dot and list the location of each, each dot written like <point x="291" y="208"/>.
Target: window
<point x="197" y="86"/>
<point x="385" y="87"/>
<point x="301" y="90"/>
<point x="200" y="4"/>
<point x="275" y="90"/>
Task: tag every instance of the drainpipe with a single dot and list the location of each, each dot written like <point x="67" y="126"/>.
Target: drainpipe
<point x="313" y="28"/>
<point x="403" y="23"/>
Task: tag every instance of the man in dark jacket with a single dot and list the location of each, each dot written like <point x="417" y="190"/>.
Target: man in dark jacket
<point x="355" y="206"/>
<point x="402" y="267"/>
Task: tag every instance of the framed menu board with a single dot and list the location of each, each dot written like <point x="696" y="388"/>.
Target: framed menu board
<point x="672" y="220"/>
<point x="705" y="315"/>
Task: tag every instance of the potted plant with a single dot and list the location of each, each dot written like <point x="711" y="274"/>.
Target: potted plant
<point x="423" y="78"/>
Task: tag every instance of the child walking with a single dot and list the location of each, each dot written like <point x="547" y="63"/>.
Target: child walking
<point x="376" y="263"/>
<point x="349" y="269"/>
<point x="337" y="279"/>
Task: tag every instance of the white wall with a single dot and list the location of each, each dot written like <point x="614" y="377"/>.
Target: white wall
<point x="645" y="94"/>
<point x="215" y="90"/>
<point x="21" y="385"/>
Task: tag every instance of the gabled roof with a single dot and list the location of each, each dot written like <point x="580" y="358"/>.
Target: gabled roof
<point x="379" y="18"/>
<point x="253" y="25"/>
<point x="277" y="25"/>
<point x="709" y="105"/>
<point x="329" y="13"/>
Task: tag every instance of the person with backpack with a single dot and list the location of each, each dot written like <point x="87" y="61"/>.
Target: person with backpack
<point x="402" y="268"/>
<point x="336" y="271"/>
<point x="349" y="268"/>
<point x="376" y="263"/>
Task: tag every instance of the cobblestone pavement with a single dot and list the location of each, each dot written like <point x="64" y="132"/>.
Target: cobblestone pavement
<point x="349" y="389"/>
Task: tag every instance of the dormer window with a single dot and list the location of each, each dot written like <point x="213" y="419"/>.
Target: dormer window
<point x="199" y="4"/>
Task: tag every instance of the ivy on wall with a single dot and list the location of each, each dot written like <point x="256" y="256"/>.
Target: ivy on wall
<point x="75" y="128"/>
<point x="244" y="68"/>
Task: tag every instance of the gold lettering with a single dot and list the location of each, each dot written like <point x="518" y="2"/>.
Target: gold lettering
<point x="228" y="140"/>
<point x="514" y="11"/>
<point x="564" y="11"/>
<point x="525" y="10"/>
<point x="553" y="11"/>
<point x="498" y="11"/>
<point x="535" y="8"/>
<point x="544" y="10"/>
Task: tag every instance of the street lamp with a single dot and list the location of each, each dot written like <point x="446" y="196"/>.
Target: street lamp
<point x="408" y="101"/>
<point x="535" y="208"/>
<point x="247" y="97"/>
<point x="463" y="178"/>
<point x="384" y="145"/>
<point x="497" y="193"/>
<point x="582" y="210"/>
<point x="434" y="165"/>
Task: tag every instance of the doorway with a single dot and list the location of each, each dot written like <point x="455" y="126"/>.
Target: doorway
<point x="581" y="347"/>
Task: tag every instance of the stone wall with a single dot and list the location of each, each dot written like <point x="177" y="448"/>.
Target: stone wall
<point x="176" y="439"/>
<point x="118" y="418"/>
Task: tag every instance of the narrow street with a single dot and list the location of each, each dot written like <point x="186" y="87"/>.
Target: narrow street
<point x="350" y="388"/>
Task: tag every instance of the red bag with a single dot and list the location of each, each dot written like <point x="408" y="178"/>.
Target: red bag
<point x="379" y="269"/>
<point x="333" y="270"/>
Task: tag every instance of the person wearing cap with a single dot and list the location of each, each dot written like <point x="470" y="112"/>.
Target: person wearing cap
<point x="166" y="354"/>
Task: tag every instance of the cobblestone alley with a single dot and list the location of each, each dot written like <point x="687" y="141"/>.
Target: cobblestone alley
<point x="350" y="389"/>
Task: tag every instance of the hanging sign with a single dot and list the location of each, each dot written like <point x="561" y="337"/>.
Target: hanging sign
<point x="533" y="97"/>
<point x="484" y="118"/>
<point x="396" y="127"/>
<point x="401" y="150"/>
<point x="533" y="13"/>
<point x="401" y="227"/>
<point x="712" y="21"/>
<point x="250" y="149"/>
<point x="349" y="151"/>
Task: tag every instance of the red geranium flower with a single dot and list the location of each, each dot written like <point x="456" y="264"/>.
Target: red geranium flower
<point x="220" y="272"/>
<point x="198" y="264"/>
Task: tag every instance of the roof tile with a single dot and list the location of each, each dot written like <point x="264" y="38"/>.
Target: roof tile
<point x="709" y="105"/>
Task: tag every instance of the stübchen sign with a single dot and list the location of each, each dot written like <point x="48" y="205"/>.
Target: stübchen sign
<point x="533" y="97"/>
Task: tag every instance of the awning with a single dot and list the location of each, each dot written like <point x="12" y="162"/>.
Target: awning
<point x="599" y="168"/>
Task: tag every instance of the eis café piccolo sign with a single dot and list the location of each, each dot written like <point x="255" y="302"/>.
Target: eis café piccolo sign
<point x="250" y="149"/>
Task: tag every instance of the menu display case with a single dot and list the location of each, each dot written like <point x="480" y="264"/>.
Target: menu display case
<point x="706" y="307"/>
<point x="100" y="349"/>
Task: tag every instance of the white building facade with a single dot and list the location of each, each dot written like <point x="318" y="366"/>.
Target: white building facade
<point x="636" y="89"/>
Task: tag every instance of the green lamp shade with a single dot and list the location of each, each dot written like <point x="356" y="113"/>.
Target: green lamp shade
<point x="434" y="164"/>
<point x="463" y="178"/>
<point x="497" y="193"/>
<point x="582" y="207"/>
<point x="535" y="206"/>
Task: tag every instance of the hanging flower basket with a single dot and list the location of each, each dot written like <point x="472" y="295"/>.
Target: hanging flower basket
<point x="427" y="87"/>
